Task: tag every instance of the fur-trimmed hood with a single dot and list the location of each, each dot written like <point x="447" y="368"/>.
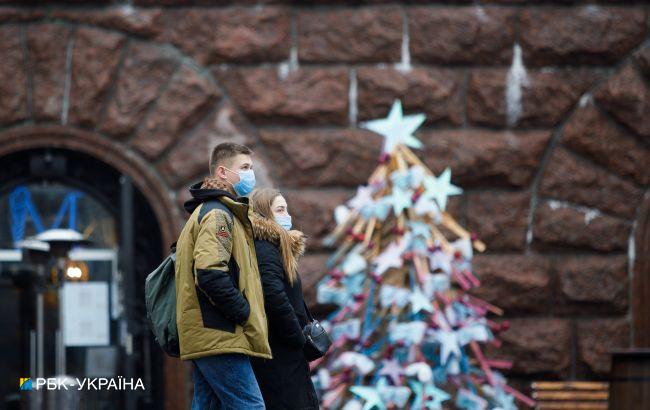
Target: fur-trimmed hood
<point x="207" y="190"/>
<point x="264" y="229"/>
<point x="214" y="183"/>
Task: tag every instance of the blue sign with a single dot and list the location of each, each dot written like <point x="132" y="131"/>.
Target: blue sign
<point x="21" y="206"/>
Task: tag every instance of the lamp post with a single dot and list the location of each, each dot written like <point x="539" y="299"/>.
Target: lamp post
<point x="39" y="250"/>
<point x="60" y="242"/>
<point x="37" y="253"/>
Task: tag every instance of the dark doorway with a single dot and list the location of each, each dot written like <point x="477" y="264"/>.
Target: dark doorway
<point x="45" y="172"/>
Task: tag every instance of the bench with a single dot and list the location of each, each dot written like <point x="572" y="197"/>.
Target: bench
<point x="574" y="395"/>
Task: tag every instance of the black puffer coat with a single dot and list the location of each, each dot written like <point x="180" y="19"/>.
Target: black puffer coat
<point x="284" y="381"/>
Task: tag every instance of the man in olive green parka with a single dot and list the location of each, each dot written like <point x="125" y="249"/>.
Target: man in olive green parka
<point x="220" y="306"/>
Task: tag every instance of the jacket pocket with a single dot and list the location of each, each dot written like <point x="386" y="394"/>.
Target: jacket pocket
<point x="243" y="292"/>
<point x="212" y="317"/>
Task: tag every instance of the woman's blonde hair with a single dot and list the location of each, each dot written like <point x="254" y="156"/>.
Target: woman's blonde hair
<point x="262" y="200"/>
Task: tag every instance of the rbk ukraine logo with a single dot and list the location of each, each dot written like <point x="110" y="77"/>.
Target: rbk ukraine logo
<point x="25" y="383"/>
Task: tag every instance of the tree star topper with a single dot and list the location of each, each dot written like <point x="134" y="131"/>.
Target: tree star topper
<point x="397" y="128"/>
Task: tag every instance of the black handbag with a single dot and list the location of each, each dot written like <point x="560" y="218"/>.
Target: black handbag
<point x="318" y="341"/>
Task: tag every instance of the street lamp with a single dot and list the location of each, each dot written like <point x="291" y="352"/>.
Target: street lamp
<point x="60" y="242"/>
<point x="37" y="253"/>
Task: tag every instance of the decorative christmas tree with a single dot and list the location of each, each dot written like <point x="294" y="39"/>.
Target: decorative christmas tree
<point x="407" y="334"/>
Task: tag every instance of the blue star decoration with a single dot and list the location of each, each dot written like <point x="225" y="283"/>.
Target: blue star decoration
<point x="409" y="178"/>
<point x="421" y="233"/>
<point x="362" y="198"/>
<point x="391" y="257"/>
<point x="377" y="209"/>
<point x="505" y="400"/>
<point x="440" y="188"/>
<point x="467" y="400"/>
<point x="353" y="263"/>
<point x="420" y="229"/>
<point x="419" y="301"/>
<point x="392" y="370"/>
<point x="370" y="395"/>
<point x="449" y="347"/>
<point x="400" y="200"/>
<point x="433" y="396"/>
<point x="396" y="128"/>
<point x="397" y="396"/>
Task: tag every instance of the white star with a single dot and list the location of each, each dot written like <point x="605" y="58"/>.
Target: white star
<point x="427" y="206"/>
<point x="435" y="397"/>
<point x="409" y="178"/>
<point x="419" y="228"/>
<point x="377" y="209"/>
<point x="400" y="200"/>
<point x="440" y="188"/>
<point x="448" y="345"/>
<point x="465" y="399"/>
<point x="419" y="301"/>
<point x="353" y="263"/>
<point x="436" y="282"/>
<point x="397" y="128"/>
<point x="505" y="400"/>
<point x="391" y="257"/>
<point x="401" y="179"/>
<point x="392" y="370"/>
<point x="341" y="214"/>
<point x="464" y="245"/>
<point x="440" y="260"/>
<point x="397" y="396"/>
<point x="362" y="363"/>
<point x="421" y="370"/>
<point x="428" y="396"/>
<point x="362" y="198"/>
<point x="370" y="395"/>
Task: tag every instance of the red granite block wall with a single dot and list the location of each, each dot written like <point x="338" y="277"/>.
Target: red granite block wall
<point x="554" y="163"/>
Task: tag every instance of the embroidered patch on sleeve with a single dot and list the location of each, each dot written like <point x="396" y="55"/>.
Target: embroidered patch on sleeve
<point x="223" y="232"/>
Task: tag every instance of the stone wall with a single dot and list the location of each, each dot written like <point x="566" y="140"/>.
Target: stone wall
<point x="540" y="109"/>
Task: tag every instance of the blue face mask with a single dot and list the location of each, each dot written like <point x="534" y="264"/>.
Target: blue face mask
<point x="284" y="221"/>
<point x="246" y="182"/>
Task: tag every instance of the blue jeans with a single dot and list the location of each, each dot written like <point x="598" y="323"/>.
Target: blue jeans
<point x="225" y="382"/>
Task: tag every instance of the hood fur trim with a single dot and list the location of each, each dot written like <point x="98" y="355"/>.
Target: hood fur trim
<point x="265" y="229"/>
<point x="213" y="183"/>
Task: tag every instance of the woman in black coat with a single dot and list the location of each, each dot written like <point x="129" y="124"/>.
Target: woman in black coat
<point x="284" y="380"/>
